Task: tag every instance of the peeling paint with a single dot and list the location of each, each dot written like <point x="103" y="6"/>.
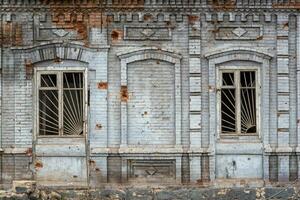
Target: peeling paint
<point x="28" y="152"/>
<point x="28" y="69"/>
<point x="102" y="85"/>
<point x="116" y="35"/>
<point x="124" y="93"/>
<point x="193" y="18"/>
<point x="38" y="164"/>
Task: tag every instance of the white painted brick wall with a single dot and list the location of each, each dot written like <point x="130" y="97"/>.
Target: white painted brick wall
<point x="151" y="103"/>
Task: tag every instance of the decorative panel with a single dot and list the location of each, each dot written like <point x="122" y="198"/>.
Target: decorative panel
<point x="195" y="84"/>
<point x="147" y="33"/>
<point x="283" y="102"/>
<point x="283" y="84"/>
<point x="283" y="121"/>
<point x="195" y="65"/>
<point x="239" y="32"/>
<point x="151" y="170"/>
<point x="195" y="103"/>
<point x="194" y="46"/>
<point x="195" y="121"/>
<point x="50" y="33"/>
<point x="283" y="65"/>
<point x="283" y="46"/>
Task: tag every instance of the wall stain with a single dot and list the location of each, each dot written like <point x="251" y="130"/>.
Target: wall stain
<point x="102" y="85"/>
<point x="124" y="93"/>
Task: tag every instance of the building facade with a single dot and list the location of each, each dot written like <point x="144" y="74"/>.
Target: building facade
<point x="150" y="92"/>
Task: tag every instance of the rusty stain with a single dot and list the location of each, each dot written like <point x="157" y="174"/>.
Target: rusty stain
<point x="28" y="69"/>
<point x="157" y="62"/>
<point x="102" y="85"/>
<point x="217" y="30"/>
<point x="124" y="93"/>
<point x="226" y="5"/>
<point x="91" y="162"/>
<point x="116" y="35"/>
<point x="98" y="126"/>
<point x="71" y="21"/>
<point x="38" y="164"/>
<point x="242" y="182"/>
<point x="12" y="34"/>
<point x="193" y="18"/>
<point x="75" y="176"/>
<point x="28" y="152"/>
<point x="97" y="169"/>
<point x="289" y="5"/>
<point x="148" y="17"/>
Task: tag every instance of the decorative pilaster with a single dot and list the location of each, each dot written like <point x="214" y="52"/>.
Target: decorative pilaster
<point x="298" y="92"/>
<point x="195" y="81"/>
<point x="283" y="94"/>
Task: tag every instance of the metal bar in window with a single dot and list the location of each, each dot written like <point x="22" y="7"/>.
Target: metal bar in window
<point x="238" y="103"/>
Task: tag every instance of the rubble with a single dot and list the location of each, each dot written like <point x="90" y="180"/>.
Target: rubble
<point x="149" y="193"/>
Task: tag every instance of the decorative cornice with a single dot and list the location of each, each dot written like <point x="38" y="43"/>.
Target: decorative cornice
<point x="216" y="6"/>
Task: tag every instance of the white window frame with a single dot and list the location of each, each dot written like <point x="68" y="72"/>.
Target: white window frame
<point x="219" y="80"/>
<point x="54" y="70"/>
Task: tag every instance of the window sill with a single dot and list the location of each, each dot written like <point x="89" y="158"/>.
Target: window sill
<point x="240" y="138"/>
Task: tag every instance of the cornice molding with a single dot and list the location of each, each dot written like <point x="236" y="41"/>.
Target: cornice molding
<point x="147" y="5"/>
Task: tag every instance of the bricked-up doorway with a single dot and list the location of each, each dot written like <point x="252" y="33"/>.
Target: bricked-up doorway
<point x="151" y="117"/>
<point x="61" y="100"/>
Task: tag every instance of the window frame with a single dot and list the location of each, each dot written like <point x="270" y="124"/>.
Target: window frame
<point x="59" y="71"/>
<point x="236" y="70"/>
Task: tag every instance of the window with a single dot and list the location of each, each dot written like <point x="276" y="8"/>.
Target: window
<point x="61" y="103"/>
<point x="238" y="102"/>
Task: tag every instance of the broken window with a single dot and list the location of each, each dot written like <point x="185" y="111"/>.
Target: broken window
<point x="238" y="96"/>
<point x="60" y="103"/>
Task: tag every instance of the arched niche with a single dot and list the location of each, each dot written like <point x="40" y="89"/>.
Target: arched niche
<point x="151" y="54"/>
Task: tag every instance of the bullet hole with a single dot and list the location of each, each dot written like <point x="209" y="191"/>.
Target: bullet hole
<point x="249" y="158"/>
<point x="98" y="126"/>
<point x="28" y="152"/>
<point x="38" y="165"/>
<point x="91" y="162"/>
<point x="97" y="169"/>
<point x="74" y="176"/>
<point x="260" y="37"/>
<point x="157" y="62"/>
<point x="168" y="23"/>
<point x="57" y="59"/>
<point x="115" y="35"/>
